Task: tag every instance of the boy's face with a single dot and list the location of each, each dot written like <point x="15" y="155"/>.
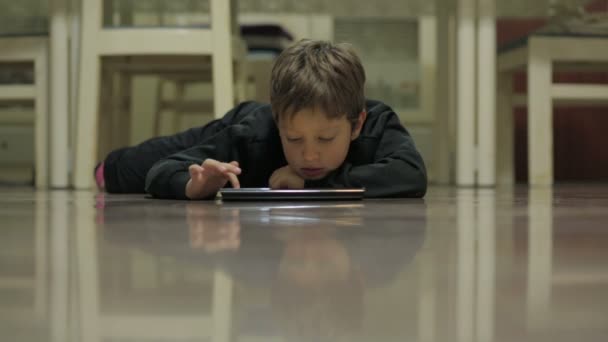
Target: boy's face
<point x="315" y="145"/>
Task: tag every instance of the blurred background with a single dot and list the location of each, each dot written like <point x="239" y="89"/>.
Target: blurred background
<point x="495" y="93"/>
<point x="103" y="93"/>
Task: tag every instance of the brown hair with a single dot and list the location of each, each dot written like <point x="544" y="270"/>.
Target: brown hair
<point x="318" y="75"/>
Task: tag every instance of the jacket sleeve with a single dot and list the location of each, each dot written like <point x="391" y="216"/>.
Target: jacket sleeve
<point x="396" y="171"/>
<point x="168" y="177"/>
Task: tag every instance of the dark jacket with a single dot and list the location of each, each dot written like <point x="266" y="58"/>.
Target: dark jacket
<point x="383" y="159"/>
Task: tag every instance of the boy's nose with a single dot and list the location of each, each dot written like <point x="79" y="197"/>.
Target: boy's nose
<point x="310" y="154"/>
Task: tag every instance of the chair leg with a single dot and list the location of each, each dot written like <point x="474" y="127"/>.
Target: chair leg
<point x="466" y="162"/>
<point x="505" y="167"/>
<point x="59" y="95"/>
<point x="443" y="169"/>
<point x="41" y="121"/>
<point x="540" y="118"/>
<point x="486" y="93"/>
<point x="222" y="69"/>
<point x="106" y="114"/>
<point x="241" y="69"/>
<point x="85" y="145"/>
<point x="86" y="139"/>
<point x="159" y="107"/>
<point x="180" y="99"/>
<point x="122" y="129"/>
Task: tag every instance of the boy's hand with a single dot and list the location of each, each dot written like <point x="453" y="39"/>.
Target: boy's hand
<point x="208" y="178"/>
<point x="285" y="178"/>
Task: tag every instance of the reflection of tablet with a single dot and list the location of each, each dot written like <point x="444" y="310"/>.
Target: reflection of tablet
<point x="266" y="194"/>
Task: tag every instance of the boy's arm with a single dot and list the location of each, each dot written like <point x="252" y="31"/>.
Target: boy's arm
<point x="397" y="170"/>
<point x="125" y="169"/>
<point x="168" y="177"/>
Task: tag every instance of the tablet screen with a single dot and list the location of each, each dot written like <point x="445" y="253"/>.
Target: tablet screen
<point x="260" y="194"/>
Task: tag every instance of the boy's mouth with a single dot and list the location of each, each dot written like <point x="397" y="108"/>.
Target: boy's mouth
<point x="312" y="172"/>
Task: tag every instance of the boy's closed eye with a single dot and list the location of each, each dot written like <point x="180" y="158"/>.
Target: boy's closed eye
<point x="321" y="139"/>
<point x="294" y="140"/>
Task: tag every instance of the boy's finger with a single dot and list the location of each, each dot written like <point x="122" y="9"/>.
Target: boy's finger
<point x="194" y="168"/>
<point x="234" y="180"/>
<point x="277" y="183"/>
<point x="272" y="181"/>
<point x="213" y="165"/>
<point x="219" y="167"/>
<point x="229" y="167"/>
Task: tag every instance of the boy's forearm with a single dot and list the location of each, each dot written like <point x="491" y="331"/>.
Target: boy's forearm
<point x="167" y="179"/>
<point x="388" y="178"/>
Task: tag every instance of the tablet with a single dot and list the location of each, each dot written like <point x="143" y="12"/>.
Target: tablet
<point x="267" y="194"/>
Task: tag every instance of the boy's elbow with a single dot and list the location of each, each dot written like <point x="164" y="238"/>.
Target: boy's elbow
<point x="150" y="187"/>
<point x="408" y="183"/>
<point x="418" y="184"/>
<point x="415" y="178"/>
<point x="154" y="186"/>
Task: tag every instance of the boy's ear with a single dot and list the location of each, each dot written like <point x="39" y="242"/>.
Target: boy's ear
<point x="358" y="125"/>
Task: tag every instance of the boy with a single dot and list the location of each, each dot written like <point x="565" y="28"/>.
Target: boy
<point x="319" y="131"/>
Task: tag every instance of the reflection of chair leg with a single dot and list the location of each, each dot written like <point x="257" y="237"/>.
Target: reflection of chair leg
<point x="466" y="267"/>
<point x="40" y="296"/>
<point x="59" y="290"/>
<point x="427" y="297"/>
<point x="222" y="306"/>
<point x="540" y="249"/>
<point x="87" y="268"/>
<point x="74" y="309"/>
<point x="486" y="262"/>
<point x="476" y="266"/>
<point x="505" y="233"/>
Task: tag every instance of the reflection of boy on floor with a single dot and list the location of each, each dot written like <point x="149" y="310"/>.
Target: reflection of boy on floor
<point x="318" y="132"/>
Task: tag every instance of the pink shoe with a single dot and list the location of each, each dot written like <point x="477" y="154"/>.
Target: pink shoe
<point x="99" y="179"/>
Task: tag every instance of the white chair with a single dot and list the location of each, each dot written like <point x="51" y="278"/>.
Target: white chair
<point x="539" y="56"/>
<point x="195" y="75"/>
<point x="216" y="41"/>
<point x="179" y="105"/>
<point x="117" y="94"/>
<point x="33" y="50"/>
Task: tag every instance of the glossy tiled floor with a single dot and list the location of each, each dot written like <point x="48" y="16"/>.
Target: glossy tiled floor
<point x="462" y="265"/>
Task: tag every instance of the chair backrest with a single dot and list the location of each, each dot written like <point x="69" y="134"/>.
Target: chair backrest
<point x="159" y="40"/>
